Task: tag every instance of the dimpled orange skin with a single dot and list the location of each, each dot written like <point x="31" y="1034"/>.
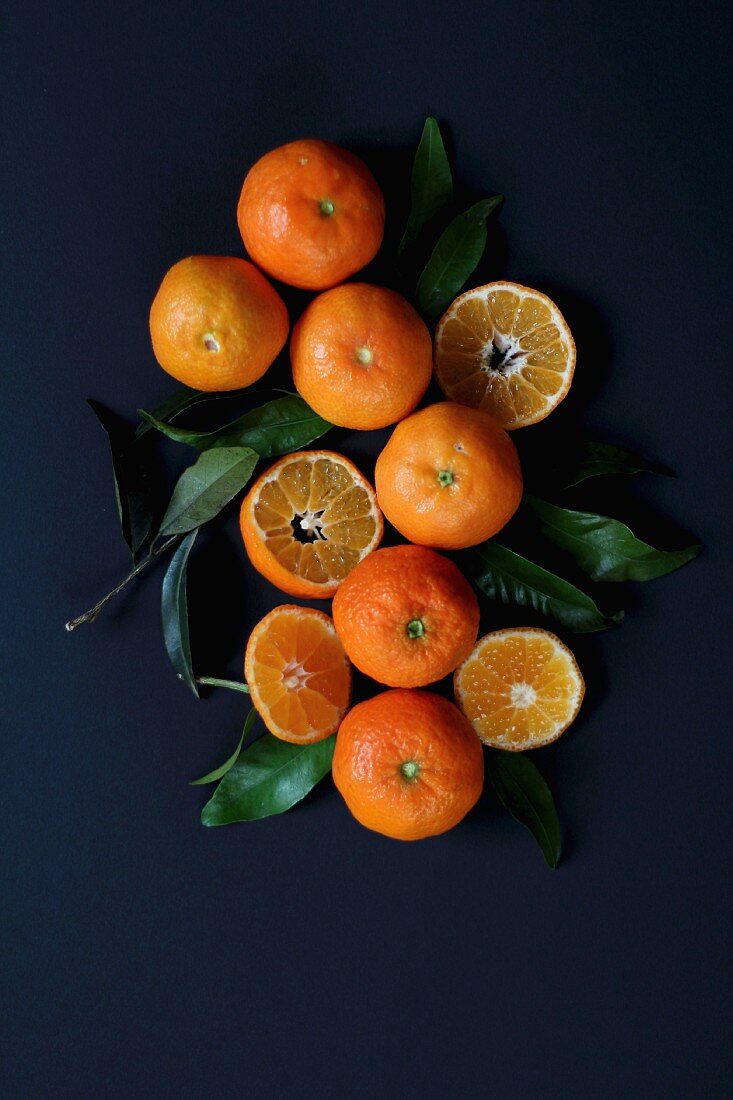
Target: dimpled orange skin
<point x="311" y="214"/>
<point x="406" y="616"/>
<point x="448" y="477"/>
<point x="408" y="764"/>
<point x="216" y="323"/>
<point x="361" y="356"/>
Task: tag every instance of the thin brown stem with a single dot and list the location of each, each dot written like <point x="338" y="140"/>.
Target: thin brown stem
<point x="90" y="615"/>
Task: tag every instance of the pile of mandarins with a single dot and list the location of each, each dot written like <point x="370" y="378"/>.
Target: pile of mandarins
<point x="408" y="762"/>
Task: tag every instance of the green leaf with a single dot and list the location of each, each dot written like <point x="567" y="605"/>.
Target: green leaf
<point x="132" y="485"/>
<point x="183" y="399"/>
<point x="604" y="548"/>
<point x="214" y="681"/>
<point x="268" y="778"/>
<point x="509" y="578"/>
<point x="454" y="257"/>
<point x="174" y="609"/>
<point x="528" y="799"/>
<point x="596" y="459"/>
<point x="206" y="487"/>
<point x="220" y="772"/>
<point x="432" y="184"/>
<point x="276" y="428"/>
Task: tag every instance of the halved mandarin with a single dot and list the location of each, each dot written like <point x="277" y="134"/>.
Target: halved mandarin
<point x="308" y="520"/>
<point x="298" y="674"/>
<point x="506" y="349"/>
<point x="519" y="688"/>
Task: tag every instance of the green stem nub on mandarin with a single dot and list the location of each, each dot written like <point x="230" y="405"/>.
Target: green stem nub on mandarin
<point x="410" y="770"/>
<point x="445" y="477"/>
<point x="415" y="628"/>
<point x="326" y="207"/>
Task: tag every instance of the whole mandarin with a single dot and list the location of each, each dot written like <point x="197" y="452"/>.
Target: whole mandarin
<point x="406" y="616"/>
<point x="361" y="356"/>
<point x="311" y="214"/>
<point x="448" y="477"/>
<point x="408" y="764"/>
<point x="216" y="323"/>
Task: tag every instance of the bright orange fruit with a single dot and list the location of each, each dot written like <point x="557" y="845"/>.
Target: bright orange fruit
<point x="520" y="688"/>
<point x="311" y="214"/>
<point x="506" y="349"/>
<point x="216" y="323"/>
<point x="361" y="356"/>
<point x="298" y="674"/>
<point x="449" y="477"/>
<point x="406" y="616"/>
<point x="308" y="520"/>
<point x="408" y="764"/>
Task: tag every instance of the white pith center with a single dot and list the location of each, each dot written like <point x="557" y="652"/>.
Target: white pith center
<point x="312" y="523"/>
<point x="294" y="676"/>
<point x="523" y="695"/>
<point x="513" y="356"/>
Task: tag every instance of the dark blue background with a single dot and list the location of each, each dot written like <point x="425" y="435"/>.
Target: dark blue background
<point x="147" y="956"/>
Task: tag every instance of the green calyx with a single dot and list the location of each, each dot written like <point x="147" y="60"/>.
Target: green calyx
<point x="415" y="628"/>
<point x="410" y="770"/>
<point x="326" y="207"/>
<point x="445" y="477"/>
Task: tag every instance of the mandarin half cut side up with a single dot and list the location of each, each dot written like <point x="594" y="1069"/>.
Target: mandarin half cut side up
<point x="308" y="520"/>
<point x="298" y="674"/>
<point x="506" y="349"/>
<point x="520" y="688"/>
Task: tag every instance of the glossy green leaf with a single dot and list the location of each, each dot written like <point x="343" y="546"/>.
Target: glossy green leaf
<point x="220" y="772"/>
<point x="131" y="481"/>
<point x="454" y="257"/>
<point x="206" y="487"/>
<point x="183" y="399"/>
<point x="174" y="608"/>
<point x="276" y="428"/>
<point x="604" y="548"/>
<point x="509" y="578"/>
<point x="597" y="459"/>
<point x="432" y="184"/>
<point x="268" y="778"/>
<point x="523" y="791"/>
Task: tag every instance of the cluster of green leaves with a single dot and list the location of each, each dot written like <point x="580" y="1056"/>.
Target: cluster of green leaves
<point x="267" y="776"/>
<point x="461" y="245"/>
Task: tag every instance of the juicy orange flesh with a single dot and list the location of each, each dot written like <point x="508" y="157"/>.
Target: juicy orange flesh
<point x="322" y="498"/>
<point x="301" y="674"/>
<point x="518" y="688"/>
<point x="504" y="353"/>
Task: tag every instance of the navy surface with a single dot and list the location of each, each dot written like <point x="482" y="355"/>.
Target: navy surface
<point x="146" y="956"/>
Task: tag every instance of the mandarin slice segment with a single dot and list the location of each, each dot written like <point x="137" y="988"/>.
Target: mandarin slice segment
<point x="308" y="520"/>
<point x="519" y="688"/>
<point x="487" y="348"/>
<point x="298" y="674"/>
